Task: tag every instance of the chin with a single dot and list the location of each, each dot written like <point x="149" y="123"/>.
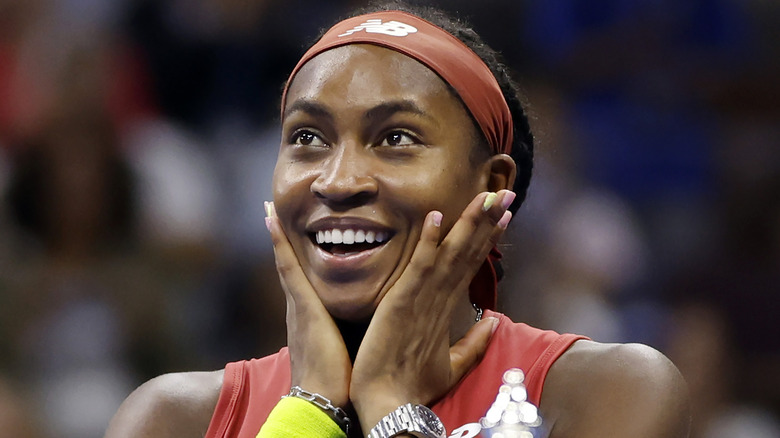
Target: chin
<point x="350" y="310"/>
<point x="354" y="300"/>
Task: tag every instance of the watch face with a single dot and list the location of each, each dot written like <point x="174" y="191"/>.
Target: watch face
<point x="430" y="421"/>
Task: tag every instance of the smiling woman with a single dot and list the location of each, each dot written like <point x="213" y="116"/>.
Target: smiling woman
<point x="403" y="148"/>
<point x="371" y="152"/>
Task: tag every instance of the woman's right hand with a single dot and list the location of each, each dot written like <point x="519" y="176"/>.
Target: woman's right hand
<point x="319" y="359"/>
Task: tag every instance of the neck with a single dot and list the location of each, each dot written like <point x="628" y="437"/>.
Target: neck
<point x="352" y="333"/>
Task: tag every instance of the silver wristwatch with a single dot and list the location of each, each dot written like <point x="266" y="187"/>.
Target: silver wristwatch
<point x="416" y="420"/>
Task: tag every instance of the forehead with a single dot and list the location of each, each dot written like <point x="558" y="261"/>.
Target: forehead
<point x="368" y="73"/>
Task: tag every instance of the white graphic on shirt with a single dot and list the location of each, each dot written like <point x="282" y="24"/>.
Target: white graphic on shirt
<point x="468" y="430"/>
<point x="375" y="25"/>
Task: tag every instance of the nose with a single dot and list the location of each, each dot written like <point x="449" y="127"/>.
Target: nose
<point x="346" y="177"/>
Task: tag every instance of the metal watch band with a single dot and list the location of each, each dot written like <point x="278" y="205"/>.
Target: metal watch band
<point x="416" y="420"/>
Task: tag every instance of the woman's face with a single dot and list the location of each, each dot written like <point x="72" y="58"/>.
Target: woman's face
<point x="372" y="141"/>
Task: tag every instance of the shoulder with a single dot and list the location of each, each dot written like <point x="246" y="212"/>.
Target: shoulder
<point x="615" y="390"/>
<point x="171" y="405"/>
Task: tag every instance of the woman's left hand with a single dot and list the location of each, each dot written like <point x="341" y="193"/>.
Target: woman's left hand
<point x="406" y="355"/>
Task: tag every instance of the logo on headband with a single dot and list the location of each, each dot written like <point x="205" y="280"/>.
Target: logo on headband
<point x="375" y="25"/>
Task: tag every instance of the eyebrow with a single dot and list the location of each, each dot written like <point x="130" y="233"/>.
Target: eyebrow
<point x="387" y="109"/>
<point x="382" y="111"/>
<point x="310" y="107"/>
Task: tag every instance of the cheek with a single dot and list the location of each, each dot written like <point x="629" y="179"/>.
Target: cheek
<point x="291" y="185"/>
<point x="290" y="174"/>
<point x="447" y="189"/>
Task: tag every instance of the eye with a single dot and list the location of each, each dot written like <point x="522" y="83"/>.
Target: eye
<point x="306" y="138"/>
<point x="399" y="138"/>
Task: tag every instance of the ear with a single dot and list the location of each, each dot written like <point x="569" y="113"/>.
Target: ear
<point x="503" y="171"/>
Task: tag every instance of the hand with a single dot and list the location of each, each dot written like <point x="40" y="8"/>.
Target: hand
<point x="405" y="355"/>
<point x="319" y="359"/>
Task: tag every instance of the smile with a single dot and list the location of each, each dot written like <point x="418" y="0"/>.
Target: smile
<point x="345" y="242"/>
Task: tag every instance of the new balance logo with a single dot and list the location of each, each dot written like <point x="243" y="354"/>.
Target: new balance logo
<point x="392" y="28"/>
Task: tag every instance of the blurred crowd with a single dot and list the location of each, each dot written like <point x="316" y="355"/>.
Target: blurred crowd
<point x="138" y="139"/>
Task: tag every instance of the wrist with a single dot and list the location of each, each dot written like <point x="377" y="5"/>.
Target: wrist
<point x="371" y="410"/>
<point x="373" y="401"/>
<point x="335" y="386"/>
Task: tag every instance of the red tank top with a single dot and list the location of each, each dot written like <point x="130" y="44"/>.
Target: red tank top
<point x="252" y="388"/>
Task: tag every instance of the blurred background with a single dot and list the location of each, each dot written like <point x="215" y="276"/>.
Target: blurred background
<point x="138" y="138"/>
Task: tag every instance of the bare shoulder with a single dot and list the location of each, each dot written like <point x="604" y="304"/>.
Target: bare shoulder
<point x="615" y="390"/>
<point x="171" y="405"/>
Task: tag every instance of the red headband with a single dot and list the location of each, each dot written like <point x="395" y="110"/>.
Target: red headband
<point x="440" y="51"/>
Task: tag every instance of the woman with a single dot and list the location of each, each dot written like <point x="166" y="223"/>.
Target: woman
<point x="402" y="151"/>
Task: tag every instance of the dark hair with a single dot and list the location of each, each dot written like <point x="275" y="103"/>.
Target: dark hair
<point x="523" y="143"/>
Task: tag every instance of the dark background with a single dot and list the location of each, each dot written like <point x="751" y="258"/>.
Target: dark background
<point x="138" y="137"/>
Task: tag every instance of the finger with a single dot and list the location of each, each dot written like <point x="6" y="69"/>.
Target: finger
<point x="478" y="229"/>
<point x="424" y="256"/>
<point x="470" y="349"/>
<point x="495" y="236"/>
<point x="480" y="220"/>
<point x="495" y="204"/>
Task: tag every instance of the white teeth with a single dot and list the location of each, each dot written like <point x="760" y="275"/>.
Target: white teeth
<point x="337" y="236"/>
<point x="350" y="236"/>
<point x="360" y="236"/>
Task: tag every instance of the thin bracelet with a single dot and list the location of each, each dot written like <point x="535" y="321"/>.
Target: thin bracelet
<point x="336" y="413"/>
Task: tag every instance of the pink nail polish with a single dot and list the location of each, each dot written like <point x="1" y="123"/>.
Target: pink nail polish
<point x="437" y="217"/>
<point x="268" y="223"/>
<point x="504" y="222"/>
<point x="507" y="200"/>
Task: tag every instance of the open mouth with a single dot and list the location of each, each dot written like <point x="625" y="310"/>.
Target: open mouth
<point x="350" y="241"/>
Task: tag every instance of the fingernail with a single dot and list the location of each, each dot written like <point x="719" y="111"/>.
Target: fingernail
<point x="495" y="324"/>
<point x="490" y="199"/>
<point x="507" y="200"/>
<point x="268" y="223"/>
<point x="437" y="216"/>
<point x="504" y="221"/>
<point x="270" y="211"/>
